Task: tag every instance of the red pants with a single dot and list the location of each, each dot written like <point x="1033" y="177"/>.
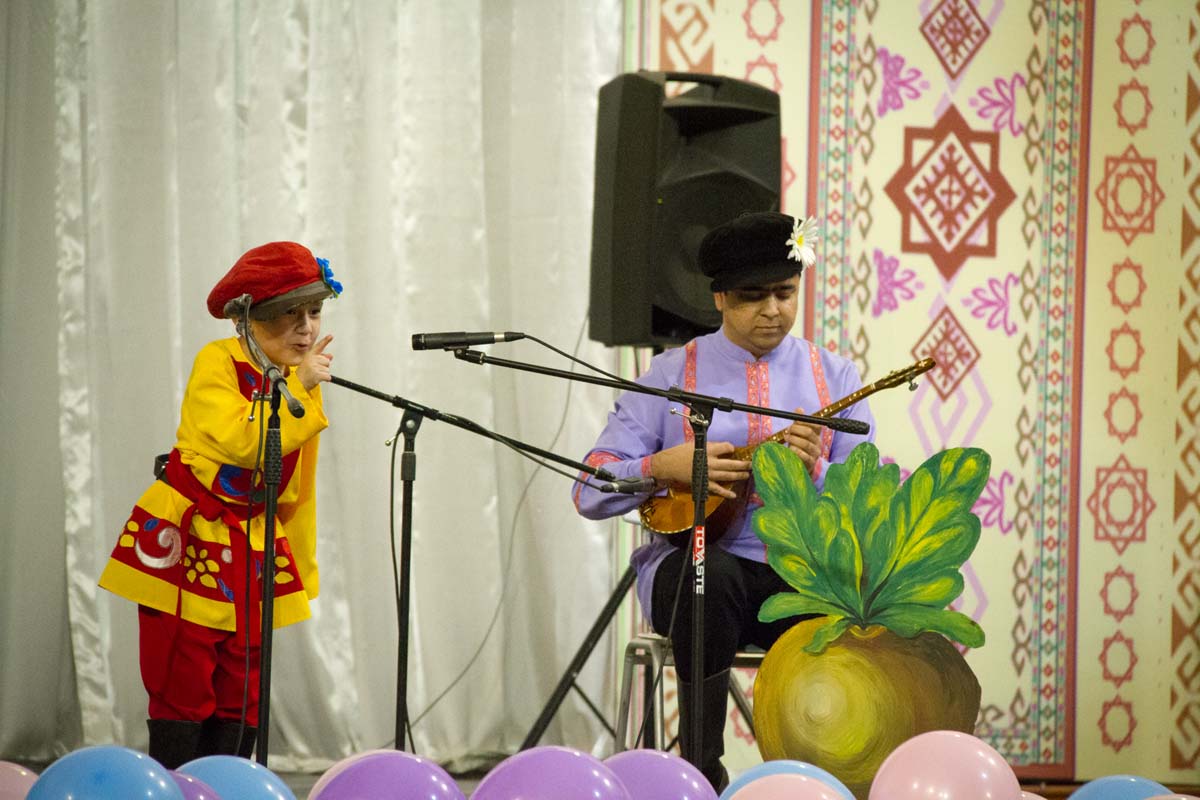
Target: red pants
<point x="192" y="672"/>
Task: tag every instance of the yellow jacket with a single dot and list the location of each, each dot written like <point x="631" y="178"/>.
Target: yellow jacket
<point x="200" y="571"/>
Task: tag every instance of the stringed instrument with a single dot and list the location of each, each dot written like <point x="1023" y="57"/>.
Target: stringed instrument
<point x="674" y="512"/>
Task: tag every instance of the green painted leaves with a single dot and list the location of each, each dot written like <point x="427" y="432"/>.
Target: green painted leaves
<point x="869" y="550"/>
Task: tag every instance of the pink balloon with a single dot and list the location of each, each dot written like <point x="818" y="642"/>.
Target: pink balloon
<point x="1031" y="796"/>
<point x="948" y="765"/>
<point x="15" y="781"/>
<point x="786" y="786"/>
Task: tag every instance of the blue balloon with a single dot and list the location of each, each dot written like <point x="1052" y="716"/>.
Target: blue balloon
<point x="240" y="778"/>
<point x="105" y="772"/>
<point x="785" y="766"/>
<point x="1119" y="787"/>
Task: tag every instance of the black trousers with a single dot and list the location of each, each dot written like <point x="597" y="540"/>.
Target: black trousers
<point x="734" y="590"/>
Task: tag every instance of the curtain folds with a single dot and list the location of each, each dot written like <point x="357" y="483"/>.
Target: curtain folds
<point x="440" y="156"/>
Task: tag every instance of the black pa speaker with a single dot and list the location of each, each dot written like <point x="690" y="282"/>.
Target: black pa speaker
<point x="668" y="170"/>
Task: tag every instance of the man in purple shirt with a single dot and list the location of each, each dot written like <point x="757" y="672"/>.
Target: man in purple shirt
<point x="755" y="263"/>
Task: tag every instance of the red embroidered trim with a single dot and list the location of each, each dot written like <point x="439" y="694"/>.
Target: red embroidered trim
<point x="814" y="356"/>
<point x="689" y="385"/>
<point x="758" y="393"/>
<point x="595" y="459"/>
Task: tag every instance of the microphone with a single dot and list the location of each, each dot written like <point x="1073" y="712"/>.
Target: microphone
<point x="450" y="340"/>
<point x="295" y="407"/>
<point x="629" y="486"/>
<point x="847" y="425"/>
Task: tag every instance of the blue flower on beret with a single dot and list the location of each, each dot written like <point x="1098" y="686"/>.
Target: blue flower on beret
<point x="327" y="277"/>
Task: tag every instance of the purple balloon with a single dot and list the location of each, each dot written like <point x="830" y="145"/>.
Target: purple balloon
<point x="550" y="773"/>
<point x="337" y="767"/>
<point x="193" y="788"/>
<point x="655" y="775"/>
<point x="391" y="774"/>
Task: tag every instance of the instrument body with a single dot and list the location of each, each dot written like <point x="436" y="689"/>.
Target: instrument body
<point x="674" y="512"/>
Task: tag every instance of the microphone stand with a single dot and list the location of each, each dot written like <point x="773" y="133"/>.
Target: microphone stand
<point x="700" y="416"/>
<point x="272" y="474"/>
<point x="410" y="423"/>
<point x="272" y="477"/>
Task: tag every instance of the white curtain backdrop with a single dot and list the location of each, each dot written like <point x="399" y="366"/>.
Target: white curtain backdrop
<point x="439" y="153"/>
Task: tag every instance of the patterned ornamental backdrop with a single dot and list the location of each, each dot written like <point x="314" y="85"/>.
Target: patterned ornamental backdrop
<point x="1013" y="188"/>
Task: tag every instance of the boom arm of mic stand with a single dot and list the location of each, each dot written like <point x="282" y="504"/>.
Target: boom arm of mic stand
<point x="474" y="427"/>
<point x="841" y="424"/>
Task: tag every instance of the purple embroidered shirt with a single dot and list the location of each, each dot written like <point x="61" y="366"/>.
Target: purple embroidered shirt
<point x="796" y="374"/>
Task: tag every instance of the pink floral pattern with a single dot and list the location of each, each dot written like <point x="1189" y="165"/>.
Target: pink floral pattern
<point x="899" y="84"/>
<point x="992" y="301"/>
<point x="895" y="284"/>
<point x="990" y="505"/>
<point x="1002" y="103"/>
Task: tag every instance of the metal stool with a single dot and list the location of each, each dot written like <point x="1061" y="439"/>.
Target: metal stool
<point x="652" y="652"/>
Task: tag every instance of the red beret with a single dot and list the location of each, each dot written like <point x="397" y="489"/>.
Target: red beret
<point x="284" y="273"/>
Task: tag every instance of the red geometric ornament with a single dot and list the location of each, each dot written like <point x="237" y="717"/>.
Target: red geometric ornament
<point x="756" y="14"/>
<point x="950" y="192"/>
<point x="1119" y="593"/>
<point x="1129" y="194"/>
<point x="1126" y="286"/>
<point x="1117" y="724"/>
<point x="1133" y="106"/>
<point x="1124" y="414"/>
<point x="1135" y="41"/>
<point x="948" y="344"/>
<point x="1120" y="505"/>
<point x="955" y="31"/>
<point x="1125" y="350"/>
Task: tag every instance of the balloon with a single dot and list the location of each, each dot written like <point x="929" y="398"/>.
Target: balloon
<point x="105" y="771"/>
<point x="390" y="774"/>
<point x="337" y="767"/>
<point x="1119" y="787"/>
<point x="1031" y="796"/>
<point x="786" y="766"/>
<point x="193" y="788"/>
<point x="655" y="775"/>
<point x="786" y="786"/>
<point x="15" y="781"/>
<point x="236" y="778"/>
<point x="948" y="765"/>
<point x="550" y="773"/>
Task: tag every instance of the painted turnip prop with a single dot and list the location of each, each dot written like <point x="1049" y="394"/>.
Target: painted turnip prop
<point x="879" y="562"/>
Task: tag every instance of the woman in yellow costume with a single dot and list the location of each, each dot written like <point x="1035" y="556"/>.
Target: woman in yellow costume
<point x="183" y="555"/>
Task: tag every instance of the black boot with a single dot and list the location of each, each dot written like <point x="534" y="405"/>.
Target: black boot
<point x="173" y="742"/>
<point x="220" y="738"/>
<point x="714" y="694"/>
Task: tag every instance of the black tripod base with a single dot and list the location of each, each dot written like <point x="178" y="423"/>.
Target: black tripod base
<point x="581" y="656"/>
